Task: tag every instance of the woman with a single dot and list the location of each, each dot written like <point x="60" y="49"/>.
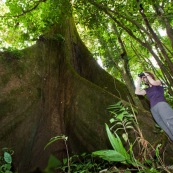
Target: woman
<point x="161" y="111"/>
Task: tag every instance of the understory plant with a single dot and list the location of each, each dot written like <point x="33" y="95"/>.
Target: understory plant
<point x="53" y="159"/>
<point x="118" y="159"/>
<point x="84" y="163"/>
<point x="6" y="160"/>
<point x="125" y="120"/>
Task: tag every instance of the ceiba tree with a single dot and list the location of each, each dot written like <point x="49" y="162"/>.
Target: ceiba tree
<point x="56" y="87"/>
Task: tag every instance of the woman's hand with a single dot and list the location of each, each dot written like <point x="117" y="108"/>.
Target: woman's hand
<point x="146" y="74"/>
<point x="152" y="81"/>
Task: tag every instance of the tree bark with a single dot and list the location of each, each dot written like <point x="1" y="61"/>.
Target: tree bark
<point x="125" y="71"/>
<point x="55" y="88"/>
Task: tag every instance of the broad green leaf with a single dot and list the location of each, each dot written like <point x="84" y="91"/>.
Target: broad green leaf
<point x="116" y="143"/>
<point x="120" y="116"/>
<point x="7" y="171"/>
<point x="112" y="139"/>
<point x="53" y="162"/>
<point x="65" y="161"/>
<point x="6" y="167"/>
<point x="122" y="149"/>
<point x="7" y="157"/>
<point x="110" y="155"/>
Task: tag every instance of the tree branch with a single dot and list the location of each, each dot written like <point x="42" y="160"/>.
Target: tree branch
<point x="25" y="12"/>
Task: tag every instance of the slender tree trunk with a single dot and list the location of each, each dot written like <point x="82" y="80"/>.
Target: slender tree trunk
<point x="158" y="42"/>
<point x="126" y="70"/>
<point x="160" y="12"/>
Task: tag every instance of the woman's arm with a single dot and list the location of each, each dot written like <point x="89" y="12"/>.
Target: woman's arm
<point x="152" y="81"/>
<point x="138" y="90"/>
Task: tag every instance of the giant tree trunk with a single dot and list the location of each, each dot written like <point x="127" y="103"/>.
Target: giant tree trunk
<point x="54" y="88"/>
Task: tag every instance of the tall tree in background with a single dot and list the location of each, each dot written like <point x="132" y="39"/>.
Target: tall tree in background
<point x="140" y="21"/>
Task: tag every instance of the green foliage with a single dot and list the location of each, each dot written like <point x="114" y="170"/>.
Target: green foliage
<point x="120" y="153"/>
<point x="110" y="155"/>
<point x="23" y="21"/>
<point x="53" y="164"/>
<point x="168" y="97"/>
<point x="26" y="20"/>
<point x="122" y="119"/>
<point x="133" y="31"/>
<point x="54" y="139"/>
<point x="6" y="161"/>
<point x="84" y="163"/>
<point x="113" y="160"/>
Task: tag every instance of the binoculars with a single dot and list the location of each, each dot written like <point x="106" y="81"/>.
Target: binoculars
<point x="141" y="74"/>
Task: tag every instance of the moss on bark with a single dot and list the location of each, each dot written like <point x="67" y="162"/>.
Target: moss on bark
<point x="60" y="90"/>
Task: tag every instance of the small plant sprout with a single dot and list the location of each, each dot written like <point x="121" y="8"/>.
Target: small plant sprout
<point x="64" y="138"/>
